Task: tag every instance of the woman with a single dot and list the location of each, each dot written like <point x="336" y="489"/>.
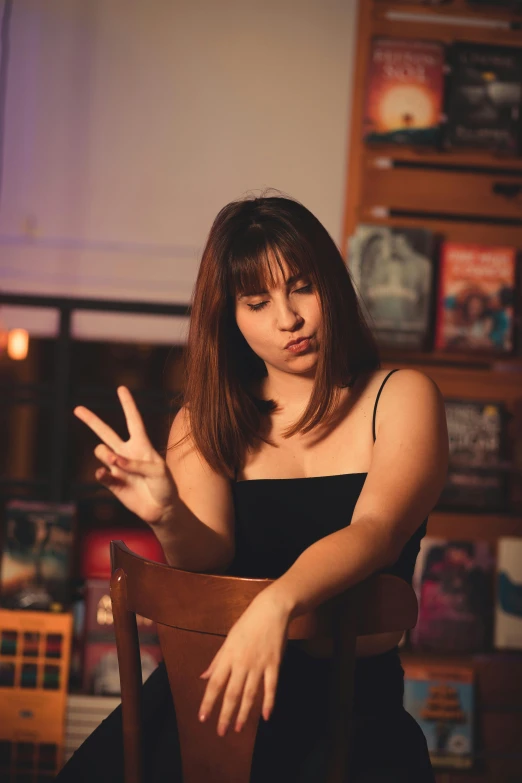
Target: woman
<point x="281" y="465"/>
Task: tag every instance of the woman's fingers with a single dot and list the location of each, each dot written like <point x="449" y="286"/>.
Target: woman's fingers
<point x="270" y="683"/>
<point x="106" y="478"/>
<point x="233" y="693"/>
<point x="102" y="430"/>
<point x="141" y="467"/>
<point x="214" y="687"/>
<point x="132" y="415"/>
<point x="249" y="694"/>
<point x="105" y="455"/>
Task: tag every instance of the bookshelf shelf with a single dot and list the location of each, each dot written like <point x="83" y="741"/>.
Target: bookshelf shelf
<point x="463" y="196"/>
<point x="458" y="20"/>
<point x="381" y="155"/>
<point x="477" y="361"/>
<point x="470" y="526"/>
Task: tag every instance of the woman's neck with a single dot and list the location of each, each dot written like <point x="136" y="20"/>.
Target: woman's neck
<point x="288" y="390"/>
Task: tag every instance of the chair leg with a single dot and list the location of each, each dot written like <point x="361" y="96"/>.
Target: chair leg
<point x="127" y="644"/>
<point x="341" y="694"/>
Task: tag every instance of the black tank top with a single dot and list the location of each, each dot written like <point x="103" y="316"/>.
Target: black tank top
<point x="277" y="519"/>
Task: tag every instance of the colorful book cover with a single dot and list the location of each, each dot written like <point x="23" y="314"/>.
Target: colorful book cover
<point x="404" y="93"/>
<point x="454" y="585"/>
<point x="475" y="298"/>
<point x="484" y="98"/>
<point x="441" y="699"/>
<point x="392" y="268"/>
<point x="100" y="659"/>
<point x="508" y="607"/>
<point x="37" y="555"/>
<point x="477" y="477"/>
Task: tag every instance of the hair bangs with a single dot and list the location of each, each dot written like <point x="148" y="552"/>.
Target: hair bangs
<point x="256" y="259"/>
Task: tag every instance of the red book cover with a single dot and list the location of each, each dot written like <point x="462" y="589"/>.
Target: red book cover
<point x="404" y="93"/>
<point x="475" y="298"/>
<point x="96" y="552"/>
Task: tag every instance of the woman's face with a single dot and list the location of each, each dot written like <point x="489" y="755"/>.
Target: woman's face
<point x="283" y="324"/>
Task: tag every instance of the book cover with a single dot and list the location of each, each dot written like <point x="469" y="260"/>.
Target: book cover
<point x="475" y="298"/>
<point x="34" y="662"/>
<point x="100" y="660"/>
<point x="477" y="477"/>
<point x="453" y="581"/>
<point x="484" y="98"/>
<point x="392" y="269"/>
<point x="37" y="555"/>
<point x="508" y="606"/>
<point x="441" y="699"/>
<point x="96" y="549"/>
<point x="404" y="92"/>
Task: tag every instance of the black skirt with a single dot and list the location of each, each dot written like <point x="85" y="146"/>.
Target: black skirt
<point x="292" y="747"/>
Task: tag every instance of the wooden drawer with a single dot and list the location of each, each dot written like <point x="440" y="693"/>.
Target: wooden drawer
<point x="414" y="190"/>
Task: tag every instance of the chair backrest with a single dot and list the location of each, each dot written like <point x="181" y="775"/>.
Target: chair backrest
<point x="194" y="613"/>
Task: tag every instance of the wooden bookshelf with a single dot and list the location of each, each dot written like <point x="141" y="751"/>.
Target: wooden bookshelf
<point x="462" y="196"/>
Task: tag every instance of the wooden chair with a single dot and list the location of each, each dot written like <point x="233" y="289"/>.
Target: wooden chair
<point x="194" y="613"/>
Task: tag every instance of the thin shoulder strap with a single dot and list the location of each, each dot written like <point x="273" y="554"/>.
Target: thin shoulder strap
<point x="377" y="400"/>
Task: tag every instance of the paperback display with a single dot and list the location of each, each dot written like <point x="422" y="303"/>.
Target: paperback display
<point x="404" y="92"/>
<point x="508" y="607"/>
<point x="441" y="699"/>
<point x="475" y="298"/>
<point x="453" y="582"/>
<point x="37" y="555"/>
<point x="392" y="268"/>
<point x="485" y="95"/>
<point x="477" y="477"/>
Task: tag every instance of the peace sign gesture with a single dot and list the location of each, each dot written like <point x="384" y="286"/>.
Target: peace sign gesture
<point x="133" y="471"/>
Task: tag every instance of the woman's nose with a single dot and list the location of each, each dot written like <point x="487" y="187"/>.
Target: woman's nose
<point x="288" y="318"/>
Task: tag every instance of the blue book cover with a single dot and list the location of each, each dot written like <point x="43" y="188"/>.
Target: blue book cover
<point x="441" y="699"/>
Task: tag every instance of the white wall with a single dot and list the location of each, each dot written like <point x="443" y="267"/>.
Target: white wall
<point x="130" y="124"/>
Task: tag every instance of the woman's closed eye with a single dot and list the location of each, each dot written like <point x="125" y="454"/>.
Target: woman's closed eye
<point x="305" y="289"/>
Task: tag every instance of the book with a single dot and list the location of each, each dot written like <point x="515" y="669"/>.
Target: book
<point x="37" y="555"/>
<point x="477" y="477"/>
<point x="484" y="97"/>
<point x="441" y="698"/>
<point x="84" y="714"/>
<point x="100" y="659"/>
<point x="96" y="549"/>
<point x="475" y="298"/>
<point x="35" y="651"/>
<point x="404" y="92"/>
<point x="393" y="270"/>
<point x="453" y="581"/>
<point x="508" y="605"/>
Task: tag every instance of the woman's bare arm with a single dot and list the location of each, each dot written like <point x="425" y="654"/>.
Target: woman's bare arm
<point x="198" y="534"/>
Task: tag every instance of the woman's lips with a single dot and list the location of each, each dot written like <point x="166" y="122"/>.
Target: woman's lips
<point x="299" y="347"/>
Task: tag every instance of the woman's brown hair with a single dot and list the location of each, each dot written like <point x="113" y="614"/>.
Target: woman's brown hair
<point x="221" y="368"/>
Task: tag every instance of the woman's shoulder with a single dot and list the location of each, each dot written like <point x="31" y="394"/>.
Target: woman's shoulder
<point x="400" y="382"/>
<point x="408" y="395"/>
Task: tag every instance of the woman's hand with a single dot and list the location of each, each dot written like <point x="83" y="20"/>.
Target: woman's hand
<point x="248" y="659"/>
<point x="133" y="471"/>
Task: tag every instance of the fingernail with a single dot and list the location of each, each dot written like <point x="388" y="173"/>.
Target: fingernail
<point x="222" y="729"/>
<point x="202" y="717"/>
<point x="239" y="726"/>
